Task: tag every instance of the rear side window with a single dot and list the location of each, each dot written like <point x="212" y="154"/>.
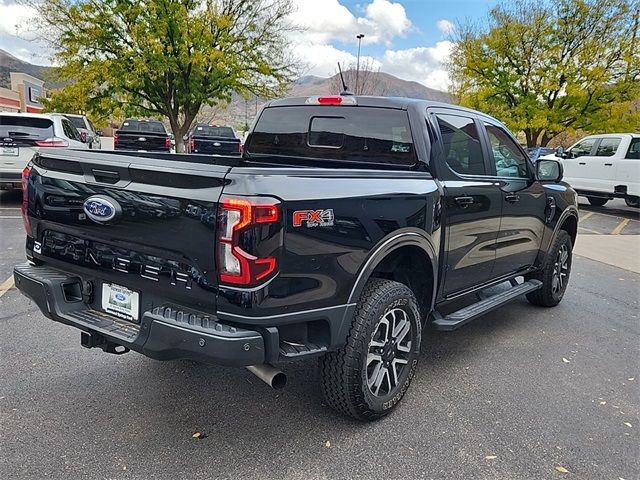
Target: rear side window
<point x="25" y="127"/>
<point x="142" y="126"/>
<point x="607" y="147"/>
<point x="70" y="131"/>
<point x="209" y="131"/>
<point x="634" y="149"/>
<point x="354" y="134"/>
<point x="77" y="122"/>
<point x="461" y="142"/>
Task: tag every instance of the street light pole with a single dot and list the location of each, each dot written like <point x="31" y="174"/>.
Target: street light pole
<point x="360" y="36"/>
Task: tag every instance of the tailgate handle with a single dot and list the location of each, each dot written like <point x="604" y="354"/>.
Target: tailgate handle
<point x="105" y="176"/>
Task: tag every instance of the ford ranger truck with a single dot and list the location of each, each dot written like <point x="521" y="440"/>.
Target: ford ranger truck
<point x="349" y="226"/>
<point x="142" y="136"/>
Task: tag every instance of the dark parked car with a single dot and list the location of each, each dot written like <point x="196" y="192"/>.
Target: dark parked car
<point x="142" y="135"/>
<point x="213" y="140"/>
<point x="536" y="152"/>
<point x="348" y="226"/>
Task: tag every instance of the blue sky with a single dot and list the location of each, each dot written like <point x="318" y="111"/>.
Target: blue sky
<point x="407" y="38"/>
<point x="425" y="14"/>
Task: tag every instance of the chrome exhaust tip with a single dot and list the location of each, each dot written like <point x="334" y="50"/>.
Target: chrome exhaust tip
<point x="269" y="374"/>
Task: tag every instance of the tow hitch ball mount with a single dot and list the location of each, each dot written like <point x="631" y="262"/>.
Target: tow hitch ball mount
<point x="95" y="340"/>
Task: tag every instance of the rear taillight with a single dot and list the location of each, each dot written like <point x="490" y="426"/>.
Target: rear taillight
<point x="52" y="142"/>
<point x="115" y="139"/>
<point x="192" y="144"/>
<point x="167" y="143"/>
<point x="240" y="148"/>
<point x="25" y="199"/>
<point x="235" y="265"/>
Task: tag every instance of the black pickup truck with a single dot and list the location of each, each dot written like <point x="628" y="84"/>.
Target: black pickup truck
<point x="213" y="140"/>
<point x="348" y="226"/>
<point x="142" y="135"/>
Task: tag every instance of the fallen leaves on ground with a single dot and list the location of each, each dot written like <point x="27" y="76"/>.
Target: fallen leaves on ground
<point x="565" y="360"/>
<point x="628" y="424"/>
<point x="561" y="469"/>
<point x="199" y="435"/>
<point x="490" y="457"/>
<point x="327" y="444"/>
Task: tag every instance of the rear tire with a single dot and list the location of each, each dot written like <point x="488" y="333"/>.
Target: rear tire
<point x="597" y="201"/>
<point x="632" y="201"/>
<point x="369" y="375"/>
<point x="554" y="274"/>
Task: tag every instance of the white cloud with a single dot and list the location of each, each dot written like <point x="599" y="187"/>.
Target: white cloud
<point x="421" y="64"/>
<point x="446" y="26"/>
<point x="328" y="20"/>
<point x="14" y="19"/>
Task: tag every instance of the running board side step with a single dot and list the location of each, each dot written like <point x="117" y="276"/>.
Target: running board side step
<point x="465" y="315"/>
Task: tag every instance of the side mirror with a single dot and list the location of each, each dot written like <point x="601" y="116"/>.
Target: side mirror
<point x="549" y="171"/>
<point x="560" y="152"/>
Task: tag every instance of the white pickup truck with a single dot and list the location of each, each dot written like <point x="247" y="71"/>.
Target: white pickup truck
<point x="601" y="167"/>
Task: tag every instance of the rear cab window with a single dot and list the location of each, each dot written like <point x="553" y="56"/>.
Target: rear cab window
<point x="25" y="128"/>
<point x="354" y="134"/>
<point x="150" y="126"/>
<point x="211" y="131"/>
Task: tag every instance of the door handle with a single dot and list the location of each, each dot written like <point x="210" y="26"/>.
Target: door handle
<point x="512" y="197"/>
<point x="608" y="164"/>
<point x="581" y="163"/>
<point x="464" y="202"/>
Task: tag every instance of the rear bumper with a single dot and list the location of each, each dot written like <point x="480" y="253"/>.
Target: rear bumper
<point x="13" y="179"/>
<point x="165" y="333"/>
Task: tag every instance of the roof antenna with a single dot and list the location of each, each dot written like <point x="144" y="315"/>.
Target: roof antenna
<point x="345" y="90"/>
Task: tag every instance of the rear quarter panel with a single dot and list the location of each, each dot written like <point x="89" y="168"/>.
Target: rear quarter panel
<point x="320" y="264"/>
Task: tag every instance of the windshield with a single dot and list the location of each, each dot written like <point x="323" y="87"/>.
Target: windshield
<point x="142" y="126"/>
<point x="25" y="127"/>
<point x="354" y="134"/>
<point x="210" y="131"/>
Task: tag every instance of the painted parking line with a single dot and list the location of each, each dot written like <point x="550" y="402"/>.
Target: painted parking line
<point x="620" y="227"/>
<point x="6" y="285"/>
<point x="586" y="216"/>
<point x="10" y="216"/>
<point x="590" y="231"/>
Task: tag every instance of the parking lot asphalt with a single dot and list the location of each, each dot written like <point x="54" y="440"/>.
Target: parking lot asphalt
<point x="522" y="393"/>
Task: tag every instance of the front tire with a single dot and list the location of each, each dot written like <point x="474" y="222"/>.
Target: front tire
<point x="554" y="274"/>
<point x="369" y="375"/>
<point x="632" y="201"/>
<point x="597" y="201"/>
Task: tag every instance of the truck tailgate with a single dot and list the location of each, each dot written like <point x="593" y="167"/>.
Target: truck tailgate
<point x="149" y="141"/>
<point x="141" y="223"/>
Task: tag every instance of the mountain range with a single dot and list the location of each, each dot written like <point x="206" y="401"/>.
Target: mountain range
<point x="240" y="110"/>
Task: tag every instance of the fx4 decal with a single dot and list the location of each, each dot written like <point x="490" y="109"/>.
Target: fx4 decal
<point x="313" y="218"/>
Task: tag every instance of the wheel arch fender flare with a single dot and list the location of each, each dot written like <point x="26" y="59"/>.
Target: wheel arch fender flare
<point x="570" y="211"/>
<point x="398" y="239"/>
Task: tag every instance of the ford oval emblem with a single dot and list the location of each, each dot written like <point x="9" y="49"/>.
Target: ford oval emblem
<point x="120" y="297"/>
<point x="101" y="209"/>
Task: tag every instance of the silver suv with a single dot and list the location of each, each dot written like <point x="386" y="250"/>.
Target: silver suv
<point x="23" y="134"/>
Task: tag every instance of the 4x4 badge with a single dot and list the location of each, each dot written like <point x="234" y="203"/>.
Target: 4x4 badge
<point x="313" y="218"/>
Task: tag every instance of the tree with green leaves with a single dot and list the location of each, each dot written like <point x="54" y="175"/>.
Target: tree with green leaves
<point x="549" y="66"/>
<point x="167" y="58"/>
